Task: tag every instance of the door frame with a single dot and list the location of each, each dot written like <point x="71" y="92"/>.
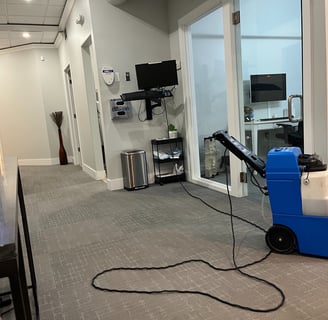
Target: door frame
<point x="89" y="70"/>
<point x="307" y="78"/>
<point x="72" y="117"/>
<point x="233" y="69"/>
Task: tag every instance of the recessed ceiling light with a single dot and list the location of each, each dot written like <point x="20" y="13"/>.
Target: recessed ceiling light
<point x="26" y="35"/>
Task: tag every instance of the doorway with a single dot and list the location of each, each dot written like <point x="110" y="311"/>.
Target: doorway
<point x="211" y="81"/>
<point x="208" y="63"/>
<point x="271" y="51"/>
<point x="94" y="106"/>
<point x="72" y="117"/>
<point x="220" y="58"/>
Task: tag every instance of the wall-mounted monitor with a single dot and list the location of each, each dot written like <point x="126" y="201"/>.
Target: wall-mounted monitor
<point x="268" y="87"/>
<point x="156" y="75"/>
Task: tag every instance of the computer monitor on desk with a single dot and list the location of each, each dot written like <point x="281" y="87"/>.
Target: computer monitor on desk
<point x="152" y="78"/>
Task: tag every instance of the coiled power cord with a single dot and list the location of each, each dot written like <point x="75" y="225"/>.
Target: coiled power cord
<point x="236" y="267"/>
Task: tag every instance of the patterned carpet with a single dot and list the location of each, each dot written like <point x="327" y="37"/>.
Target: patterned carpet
<point x="79" y="228"/>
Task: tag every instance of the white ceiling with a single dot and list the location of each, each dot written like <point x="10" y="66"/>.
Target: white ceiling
<point x="42" y="19"/>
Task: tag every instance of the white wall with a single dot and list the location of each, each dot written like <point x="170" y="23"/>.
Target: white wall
<point x="31" y="90"/>
<point x="178" y="9"/>
<point x="121" y="40"/>
<point x="120" y="37"/>
<point x="153" y="13"/>
<point x="70" y="52"/>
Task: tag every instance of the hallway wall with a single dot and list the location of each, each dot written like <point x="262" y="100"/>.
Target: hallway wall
<point x="122" y="37"/>
<point x="31" y="90"/>
<point x="118" y="47"/>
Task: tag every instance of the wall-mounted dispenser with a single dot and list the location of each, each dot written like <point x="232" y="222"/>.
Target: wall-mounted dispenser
<point x="108" y="75"/>
<point x="119" y="109"/>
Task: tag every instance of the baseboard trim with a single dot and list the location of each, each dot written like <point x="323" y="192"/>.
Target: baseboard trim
<point x="42" y="162"/>
<point x="95" y="174"/>
<point x="115" y="184"/>
<point x="38" y="162"/>
<point x="118" y="184"/>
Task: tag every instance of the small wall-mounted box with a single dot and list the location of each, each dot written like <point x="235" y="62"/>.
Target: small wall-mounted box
<point x="119" y="109"/>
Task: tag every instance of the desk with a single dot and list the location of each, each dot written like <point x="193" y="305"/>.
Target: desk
<point x="11" y="256"/>
<point x="255" y="126"/>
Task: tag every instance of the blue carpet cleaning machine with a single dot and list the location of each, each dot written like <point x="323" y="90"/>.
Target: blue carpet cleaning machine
<point x="298" y="191"/>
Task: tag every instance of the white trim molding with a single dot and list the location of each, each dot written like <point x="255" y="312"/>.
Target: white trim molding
<point x="42" y="162"/>
<point x="95" y="174"/>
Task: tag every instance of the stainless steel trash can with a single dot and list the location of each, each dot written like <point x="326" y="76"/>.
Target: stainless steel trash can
<point x="134" y="167"/>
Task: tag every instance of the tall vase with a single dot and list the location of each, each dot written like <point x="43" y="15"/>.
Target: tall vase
<point x="62" y="151"/>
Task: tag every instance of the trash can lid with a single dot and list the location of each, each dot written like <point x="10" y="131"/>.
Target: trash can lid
<point x="133" y="152"/>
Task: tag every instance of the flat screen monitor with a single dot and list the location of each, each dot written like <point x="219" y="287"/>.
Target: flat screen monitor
<point x="268" y="87"/>
<point x="156" y="75"/>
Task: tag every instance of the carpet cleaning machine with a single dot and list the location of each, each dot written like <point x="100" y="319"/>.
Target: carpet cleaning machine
<point x="298" y="191"/>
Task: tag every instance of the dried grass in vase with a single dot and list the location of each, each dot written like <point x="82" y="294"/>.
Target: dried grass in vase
<point x="58" y="117"/>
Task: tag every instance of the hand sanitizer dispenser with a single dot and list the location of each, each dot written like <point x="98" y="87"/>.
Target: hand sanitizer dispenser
<point x="108" y="75"/>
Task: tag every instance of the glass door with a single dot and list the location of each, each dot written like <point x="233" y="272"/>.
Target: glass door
<point x="211" y="88"/>
<point x="271" y="50"/>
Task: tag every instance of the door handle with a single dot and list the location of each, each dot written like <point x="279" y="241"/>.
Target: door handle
<point x="290" y="107"/>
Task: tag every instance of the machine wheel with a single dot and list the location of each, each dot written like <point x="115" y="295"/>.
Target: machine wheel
<point x="281" y="239"/>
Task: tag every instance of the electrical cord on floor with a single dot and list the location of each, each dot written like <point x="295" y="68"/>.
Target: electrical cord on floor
<point x="270" y="284"/>
<point x="232" y="216"/>
<point x="195" y="292"/>
<point x="221" y="211"/>
<point x="235" y="267"/>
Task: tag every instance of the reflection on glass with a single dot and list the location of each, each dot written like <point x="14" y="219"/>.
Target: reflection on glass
<point x="271" y="51"/>
<point x="210" y="93"/>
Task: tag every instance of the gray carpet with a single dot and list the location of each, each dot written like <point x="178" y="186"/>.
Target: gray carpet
<point x="78" y="228"/>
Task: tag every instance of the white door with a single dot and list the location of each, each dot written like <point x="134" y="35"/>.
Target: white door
<point x="210" y="69"/>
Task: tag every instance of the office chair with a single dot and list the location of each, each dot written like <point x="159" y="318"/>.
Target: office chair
<point x="296" y="138"/>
